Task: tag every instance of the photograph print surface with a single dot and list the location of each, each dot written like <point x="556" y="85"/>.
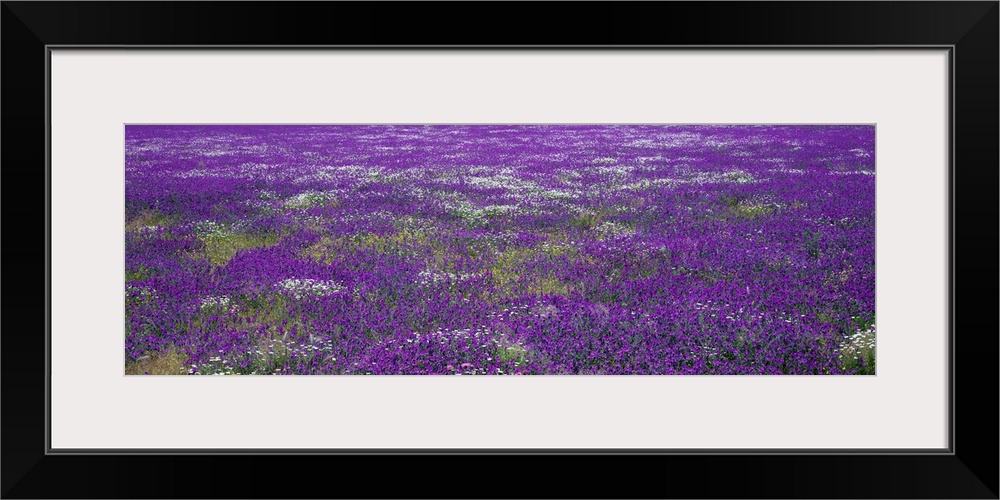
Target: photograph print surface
<point x="499" y="250"/>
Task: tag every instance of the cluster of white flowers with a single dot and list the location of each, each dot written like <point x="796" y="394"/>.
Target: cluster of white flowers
<point x="276" y="350"/>
<point x="249" y="170"/>
<point x="557" y="248"/>
<point x="308" y="199"/>
<point x="504" y="179"/>
<point x="300" y="288"/>
<point x="734" y="176"/>
<point x="481" y="336"/>
<point x="737" y="176"/>
<point x="429" y="277"/>
<point x="708" y="304"/>
<point x="310" y="219"/>
<point x="856" y="343"/>
<point x="613" y="229"/>
<point x="383" y="215"/>
<point x="473" y="213"/>
<point x="570" y="174"/>
<point x="706" y="351"/>
<point x="616" y="171"/>
<point x="209" y="228"/>
<point x="853" y="172"/>
<point x="514" y="310"/>
<point x="776" y="161"/>
<point x="354" y="174"/>
<point x="216" y="365"/>
<point x="139" y="292"/>
<point x="221" y="302"/>
<point x="564" y="194"/>
<point x="644" y="184"/>
<point x="506" y="237"/>
<point x="794" y="171"/>
<point x="198" y="173"/>
<point x="698" y="178"/>
<point x="643" y="160"/>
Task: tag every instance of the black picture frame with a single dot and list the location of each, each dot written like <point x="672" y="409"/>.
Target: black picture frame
<point x="969" y="469"/>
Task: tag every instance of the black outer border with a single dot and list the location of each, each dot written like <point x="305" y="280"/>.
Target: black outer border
<point x="968" y="470"/>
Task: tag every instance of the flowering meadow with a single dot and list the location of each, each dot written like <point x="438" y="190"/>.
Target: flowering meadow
<point x="499" y="249"/>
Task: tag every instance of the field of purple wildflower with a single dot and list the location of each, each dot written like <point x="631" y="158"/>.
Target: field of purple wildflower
<point x="570" y="249"/>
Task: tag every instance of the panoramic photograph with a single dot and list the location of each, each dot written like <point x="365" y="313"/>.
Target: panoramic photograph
<point x="499" y="250"/>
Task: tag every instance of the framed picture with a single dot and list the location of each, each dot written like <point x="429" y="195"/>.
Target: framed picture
<point x="682" y="241"/>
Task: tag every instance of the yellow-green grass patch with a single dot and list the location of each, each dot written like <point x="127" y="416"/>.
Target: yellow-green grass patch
<point x="222" y="246"/>
<point x="147" y="218"/>
<point x="510" y="275"/>
<point x="751" y="211"/>
<point x="169" y="362"/>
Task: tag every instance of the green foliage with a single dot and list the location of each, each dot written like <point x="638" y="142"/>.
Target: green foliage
<point x="752" y="211"/>
<point x="512" y="354"/>
<point x="811" y="245"/>
<point x="731" y="200"/>
<point x="585" y="221"/>
<point x="138" y="273"/>
<point x="220" y="246"/>
<point x="857" y="353"/>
